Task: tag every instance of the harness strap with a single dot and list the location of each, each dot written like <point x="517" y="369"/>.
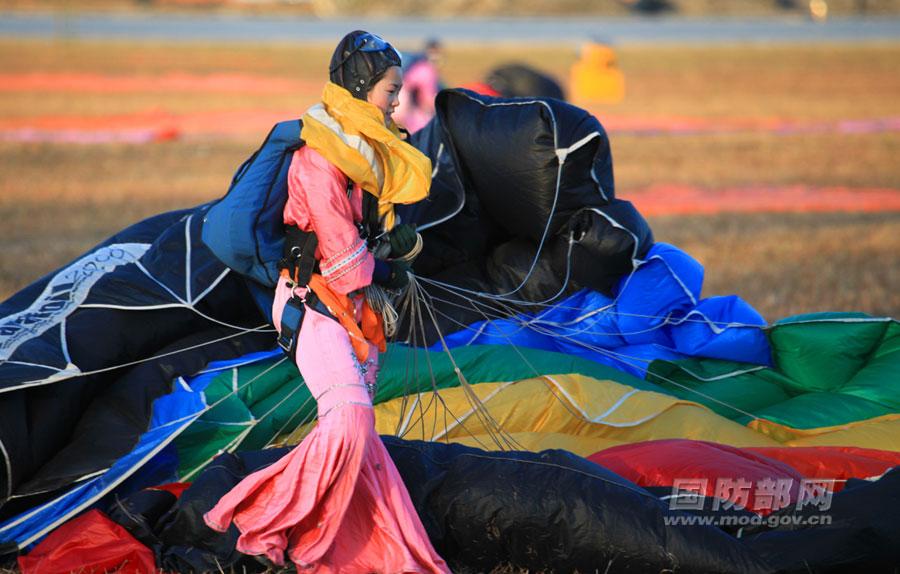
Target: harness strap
<point x="292" y="319"/>
<point x="299" y="254"/>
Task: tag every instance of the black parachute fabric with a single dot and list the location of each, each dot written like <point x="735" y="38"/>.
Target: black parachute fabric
<point x="862" y="533"/>
<point x="522" y="204"/>
<point x="175" y="530"/>
<point x="551" y="511"/>
<point x="523" y="81"/>
<point x="85" y="350"/>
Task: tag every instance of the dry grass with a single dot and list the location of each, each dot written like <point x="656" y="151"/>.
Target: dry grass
<point x="58" y="200"/>
<point x="789" y="264"/>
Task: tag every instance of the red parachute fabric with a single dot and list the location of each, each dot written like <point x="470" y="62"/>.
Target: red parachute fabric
<point x="714" y="469"/>
<point x="833" y="462"/>
<point x="90" y="543"/>
<point x="175" y="488"/>
<point x="481" y="88"/>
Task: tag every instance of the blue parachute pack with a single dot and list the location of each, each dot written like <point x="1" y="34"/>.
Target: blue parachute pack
<point x="245" y="229"/>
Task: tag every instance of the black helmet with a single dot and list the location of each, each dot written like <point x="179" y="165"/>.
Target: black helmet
<point x="359" y="61"/>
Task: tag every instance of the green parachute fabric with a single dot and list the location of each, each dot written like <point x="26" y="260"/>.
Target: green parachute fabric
<point x="271" y="400"/>
<point x="833" y="372"/>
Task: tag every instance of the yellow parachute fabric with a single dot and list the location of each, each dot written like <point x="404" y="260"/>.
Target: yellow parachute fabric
<point x="584" y="415"/>
<point x="572" y="412"/>
<point x="880" y="433"/>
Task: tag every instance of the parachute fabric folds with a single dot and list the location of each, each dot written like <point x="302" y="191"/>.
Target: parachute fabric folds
<point x="522" y="204"/>
<point x="484" y="509"/>
<point x="94" y="535"/>
<point x="573" y="412"/>
<point x="656" y="313"/>
<point x="862" y="535"/>
<point x="656" y="463"/>
<point x="834" y="382"/>
<point x="91" y="347"/>
<point x="532" y="179"/>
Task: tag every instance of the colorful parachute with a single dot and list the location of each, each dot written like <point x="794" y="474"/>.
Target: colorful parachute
<point x="561" y="395"/>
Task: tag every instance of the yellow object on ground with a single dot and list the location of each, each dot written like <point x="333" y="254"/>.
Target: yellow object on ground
<point x="595" y="77"/>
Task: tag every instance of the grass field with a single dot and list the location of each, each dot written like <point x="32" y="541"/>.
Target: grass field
<point x="56" y="200"/>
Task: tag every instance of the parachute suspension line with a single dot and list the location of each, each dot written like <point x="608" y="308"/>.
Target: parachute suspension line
<point x="222" y="399"/>
<point x="37" y="382"/>
<point x="495" y="431"/>
<point x="607" y="309"/>
<point x="380" y="302"/>
<point x="234" y="391"/>
<point x="527" y="323"/>
<point x="408" y="309"/>
<point x="534" y="370"/>
<point x="415" y="321"/>
<point x="624" y="359"/>
<point x="225" y="324"/>
<point x="617" y="356"/>
<point x="236" y="442"/>
<point x="435" y="395"/>
<point x="290" y="420"/>
<point x="415" y="251"/>
<point x="414" y="293"/>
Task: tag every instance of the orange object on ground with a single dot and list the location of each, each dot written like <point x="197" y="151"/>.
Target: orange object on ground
<point x="90" y="543"/>
<point x="689" y="200"/>
<point x="174" y="82"/>
<point x="595" y="77"/>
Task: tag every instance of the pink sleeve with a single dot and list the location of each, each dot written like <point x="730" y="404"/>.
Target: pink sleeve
<point x="317" y="201"/>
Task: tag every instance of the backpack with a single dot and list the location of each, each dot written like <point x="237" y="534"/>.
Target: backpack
<point x="245" y="229"/>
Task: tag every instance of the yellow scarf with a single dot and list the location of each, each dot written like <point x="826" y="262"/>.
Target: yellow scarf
<point x="351" y="134"/>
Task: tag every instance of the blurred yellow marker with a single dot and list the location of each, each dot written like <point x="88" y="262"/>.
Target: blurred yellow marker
<point x="595" y="76"/>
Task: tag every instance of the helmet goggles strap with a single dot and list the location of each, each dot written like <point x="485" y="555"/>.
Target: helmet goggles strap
<point x="365" y="43"/>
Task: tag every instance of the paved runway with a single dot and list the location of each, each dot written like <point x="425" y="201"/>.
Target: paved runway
<point x="234" y="28"/>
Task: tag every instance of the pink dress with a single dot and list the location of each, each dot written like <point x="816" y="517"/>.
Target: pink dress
<point x="336" y="502"/>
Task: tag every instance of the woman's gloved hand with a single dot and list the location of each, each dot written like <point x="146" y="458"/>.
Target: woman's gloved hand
<point x="403" y="239"/>
<point x="391" y="274"/>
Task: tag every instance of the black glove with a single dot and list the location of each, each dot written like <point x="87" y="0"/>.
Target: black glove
<point x="403" y="239"/>
<point x="391" y="274"/>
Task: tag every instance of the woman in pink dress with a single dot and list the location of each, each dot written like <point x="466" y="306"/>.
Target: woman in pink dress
<point x="336" y="502"/>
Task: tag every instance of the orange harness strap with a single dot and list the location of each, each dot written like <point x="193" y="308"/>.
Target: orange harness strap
<point x="370" y="328"/>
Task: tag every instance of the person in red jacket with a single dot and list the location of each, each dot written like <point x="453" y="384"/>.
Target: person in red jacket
<point x="336" y="502"/>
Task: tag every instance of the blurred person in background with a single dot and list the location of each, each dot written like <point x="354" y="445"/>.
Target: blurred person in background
<point x="421" y="83"/>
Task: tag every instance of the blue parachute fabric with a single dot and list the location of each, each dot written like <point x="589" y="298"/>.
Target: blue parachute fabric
<point x="199" y="382"/>
<point x="656" y="312"/>
<point x="149" y="463"/>
<point x="245" y="229"/>
<point x="171" y="414"/>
